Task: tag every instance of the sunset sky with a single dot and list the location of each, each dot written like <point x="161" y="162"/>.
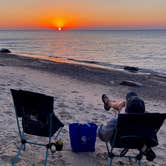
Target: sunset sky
<point x="76" y="14"/>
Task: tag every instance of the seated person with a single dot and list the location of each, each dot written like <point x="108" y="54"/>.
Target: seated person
<point x="133" y="104"/>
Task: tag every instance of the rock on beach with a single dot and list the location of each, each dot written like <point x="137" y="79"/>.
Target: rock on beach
<point x="131" y="68"/>
<point x="5" y="50"/>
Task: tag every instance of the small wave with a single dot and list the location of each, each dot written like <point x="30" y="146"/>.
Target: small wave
<point x="109" y="65"/>
<point x="104" y="64"/>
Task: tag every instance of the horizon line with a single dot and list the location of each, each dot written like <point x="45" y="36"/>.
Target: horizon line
<point x="80" y="29"/>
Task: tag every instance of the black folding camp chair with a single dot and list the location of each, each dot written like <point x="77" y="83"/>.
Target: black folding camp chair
<point x="35" y="111"/>
<point x="135" y="131"/>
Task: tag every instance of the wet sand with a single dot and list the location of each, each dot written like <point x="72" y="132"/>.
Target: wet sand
<point x="77" y="90"/>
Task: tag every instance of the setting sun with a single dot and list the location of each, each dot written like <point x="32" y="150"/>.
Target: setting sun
<point x="59" y="23"/>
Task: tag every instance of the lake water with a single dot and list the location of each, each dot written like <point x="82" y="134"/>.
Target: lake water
<point x="142" y="48"/>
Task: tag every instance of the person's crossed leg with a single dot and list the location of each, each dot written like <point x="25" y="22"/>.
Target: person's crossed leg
<point x="117" y="105"/>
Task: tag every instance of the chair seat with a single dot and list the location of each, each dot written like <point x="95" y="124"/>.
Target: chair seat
<point x="32" y="125"/>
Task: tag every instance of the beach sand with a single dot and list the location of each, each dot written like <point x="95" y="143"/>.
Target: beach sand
<point x="77" y="91"/>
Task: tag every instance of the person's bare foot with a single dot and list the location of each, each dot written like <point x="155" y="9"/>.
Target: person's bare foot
<point x="106" y="100"/>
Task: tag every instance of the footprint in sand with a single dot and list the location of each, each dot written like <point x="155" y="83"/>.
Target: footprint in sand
<point x="60" y="162"/>
<point x="103" y="156"/>
<point x="65" y="115"/>
<point x="62" y="105"/>
<point x="74" y="91"/>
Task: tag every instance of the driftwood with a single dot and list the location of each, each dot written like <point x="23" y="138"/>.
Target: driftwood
<point x="131" y="83"/>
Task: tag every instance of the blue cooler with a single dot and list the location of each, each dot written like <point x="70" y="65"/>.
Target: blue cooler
<point x="82" y="137"/>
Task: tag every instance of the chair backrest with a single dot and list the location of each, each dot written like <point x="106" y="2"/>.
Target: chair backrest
<point x="36" y="111"/>
<point x="135" y="130"/>
<point x="32" y="103"/>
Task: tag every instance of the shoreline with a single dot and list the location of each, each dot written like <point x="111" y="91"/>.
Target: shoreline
<point x="153" y="84"/>
<point x="96" y="64"/>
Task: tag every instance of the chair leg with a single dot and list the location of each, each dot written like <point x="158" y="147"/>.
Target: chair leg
<point x="22" y="146"/>
<point x="57" y="134"/>
<point x="139" y="163"/>
<point x="111" y="161"/>
<point x="45" y="161"/>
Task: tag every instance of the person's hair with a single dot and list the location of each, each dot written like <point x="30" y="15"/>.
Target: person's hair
<point x="130" y="94"/>
<point x="134" y="104"/>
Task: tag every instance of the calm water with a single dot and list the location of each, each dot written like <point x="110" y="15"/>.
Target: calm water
<point x="145" y="49"/>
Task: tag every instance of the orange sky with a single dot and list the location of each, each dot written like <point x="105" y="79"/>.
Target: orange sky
<point x="83" y="14"/>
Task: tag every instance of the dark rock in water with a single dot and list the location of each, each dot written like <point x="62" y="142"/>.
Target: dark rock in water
<point x="5" y="50"/>
<point x="131" y="68"/>
<point x="131" y="83"/>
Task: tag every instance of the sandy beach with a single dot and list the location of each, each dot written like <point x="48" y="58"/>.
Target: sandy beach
<point x="77" y="90"/>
